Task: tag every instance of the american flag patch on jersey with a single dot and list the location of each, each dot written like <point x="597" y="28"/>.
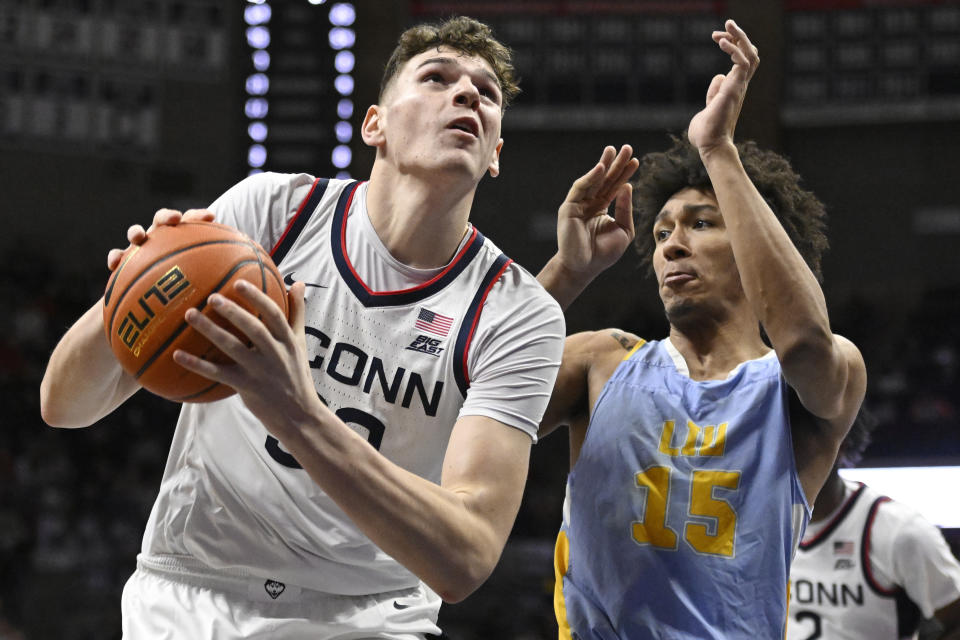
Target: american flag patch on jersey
<point x="433" y="322"/>
<point x="843" y="547"/>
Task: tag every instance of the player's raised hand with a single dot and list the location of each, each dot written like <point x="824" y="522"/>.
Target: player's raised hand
<point x="715" y="124"/>
<point x="136" y="234"/>
<point x="588" y="239"/>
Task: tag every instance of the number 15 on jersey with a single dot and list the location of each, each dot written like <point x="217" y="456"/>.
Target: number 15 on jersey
<point x="711" y="522"/>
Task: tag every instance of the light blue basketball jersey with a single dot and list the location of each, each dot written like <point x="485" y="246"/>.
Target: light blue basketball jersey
<point x="684" y="509"/>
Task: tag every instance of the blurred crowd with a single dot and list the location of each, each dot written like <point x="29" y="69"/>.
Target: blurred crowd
<point x="913" y="363"/>
<point x="73" y="502"/>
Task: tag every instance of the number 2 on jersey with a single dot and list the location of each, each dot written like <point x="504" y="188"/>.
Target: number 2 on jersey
<point x="653" y="529"/>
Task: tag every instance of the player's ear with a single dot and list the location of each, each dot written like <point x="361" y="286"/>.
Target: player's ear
<point x="494" y="166"/>
<point x="372" y="129"/>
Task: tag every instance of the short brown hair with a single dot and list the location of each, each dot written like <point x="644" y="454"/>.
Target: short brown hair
<point x="664" y="173"/>
<point x="461" y="33"/>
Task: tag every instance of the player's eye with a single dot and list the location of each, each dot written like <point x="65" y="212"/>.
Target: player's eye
<point x="489" y="92"/>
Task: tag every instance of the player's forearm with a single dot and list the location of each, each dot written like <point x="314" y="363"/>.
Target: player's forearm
<point x="565" y="286"/>
<point x="781" y="288"/>
<point x="429" y="529"/>
<point x="83" y="381"/>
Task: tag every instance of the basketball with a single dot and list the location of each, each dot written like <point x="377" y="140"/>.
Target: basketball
<point x="176" y="268"/>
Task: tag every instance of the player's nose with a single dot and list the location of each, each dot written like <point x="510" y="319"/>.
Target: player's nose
<point x="676" y="245"/>
<point x="465" y="93"/>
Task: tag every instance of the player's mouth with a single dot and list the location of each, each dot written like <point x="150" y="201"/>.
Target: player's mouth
<point x="678" y="278"/>
<point x="467" y="125"/>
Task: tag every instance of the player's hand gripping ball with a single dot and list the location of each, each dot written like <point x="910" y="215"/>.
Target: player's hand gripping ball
<point x="176" y="268"/>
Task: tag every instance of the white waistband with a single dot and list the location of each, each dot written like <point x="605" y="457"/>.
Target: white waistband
<point x="188" y="570"/>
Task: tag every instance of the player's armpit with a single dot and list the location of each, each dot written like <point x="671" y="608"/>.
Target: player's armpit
<point x="569" y="399"/>
<point x="589" y="359"/>
<point x="570" y="389"/>
<point x="833" y="407"/>
<point x="948" y="618"/>
<point x="831" y="388"/>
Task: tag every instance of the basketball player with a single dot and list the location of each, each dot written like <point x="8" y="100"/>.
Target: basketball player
<point x="373" y="459"/>
<point x="694" y="458"/>
<point x="870" y="567"/>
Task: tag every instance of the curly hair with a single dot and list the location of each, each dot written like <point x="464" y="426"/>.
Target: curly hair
<point x="664" y="173"/>
<point x="858" y="438"/>
<point x="464" y="34"/>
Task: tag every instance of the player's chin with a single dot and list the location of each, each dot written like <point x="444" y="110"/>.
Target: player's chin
<point x="680" y="310"/>
<point x="462" y="166"/>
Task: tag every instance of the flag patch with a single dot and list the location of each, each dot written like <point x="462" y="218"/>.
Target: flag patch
<point x="843" y="547"/>
<point x="433" y="322"/>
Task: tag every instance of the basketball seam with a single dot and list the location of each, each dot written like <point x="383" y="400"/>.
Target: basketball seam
<point x="198" y="394"/>
<point x="264" y="269"/>
<point x="144" y="270"/>
<point x="277" y="278"/>
<point x="116" y="276"/>
<point x="183" y="325"/>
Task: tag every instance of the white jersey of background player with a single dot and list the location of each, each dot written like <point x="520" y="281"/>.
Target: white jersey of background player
<point x="874" y="568"/>
<point x="436" y="131"/>
<point x="870" y="567"/>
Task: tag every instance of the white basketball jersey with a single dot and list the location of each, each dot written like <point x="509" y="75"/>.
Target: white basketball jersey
<point x="395" y="366"/>
<point x="872" y="570"/>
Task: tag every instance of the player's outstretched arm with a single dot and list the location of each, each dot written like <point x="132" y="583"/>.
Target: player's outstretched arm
<point x="826" y="370"/>
<point x="83" y="381"/>
<point x="450" y="535"/>
<point x="589" y="240"/>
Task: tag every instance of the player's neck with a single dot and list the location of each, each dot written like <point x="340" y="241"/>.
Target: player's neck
<point x="829" y="498"/>
<point x="420" y="221"/>
<point x="713" y="349"/>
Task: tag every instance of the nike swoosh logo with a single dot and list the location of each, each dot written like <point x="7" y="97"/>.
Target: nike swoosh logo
<point x="288" y="280"/>
<point x="397" y="605"/>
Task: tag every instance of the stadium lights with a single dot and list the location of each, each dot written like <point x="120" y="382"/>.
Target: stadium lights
<point x="257" y="15"/>
<point x="342" y="38"/>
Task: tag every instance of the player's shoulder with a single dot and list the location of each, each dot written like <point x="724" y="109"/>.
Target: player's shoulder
<point x="517" y="288"/>
<point x="598" y="354"/>
<point x="604" y="343"/>
<point x="288" y="186"/>
<point x="897" y="522"/>
<point x="274" y="181"/>
<point x="894" y="514"/>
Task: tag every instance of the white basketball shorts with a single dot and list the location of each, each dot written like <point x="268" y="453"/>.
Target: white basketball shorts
<point x="159" y="603"/>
